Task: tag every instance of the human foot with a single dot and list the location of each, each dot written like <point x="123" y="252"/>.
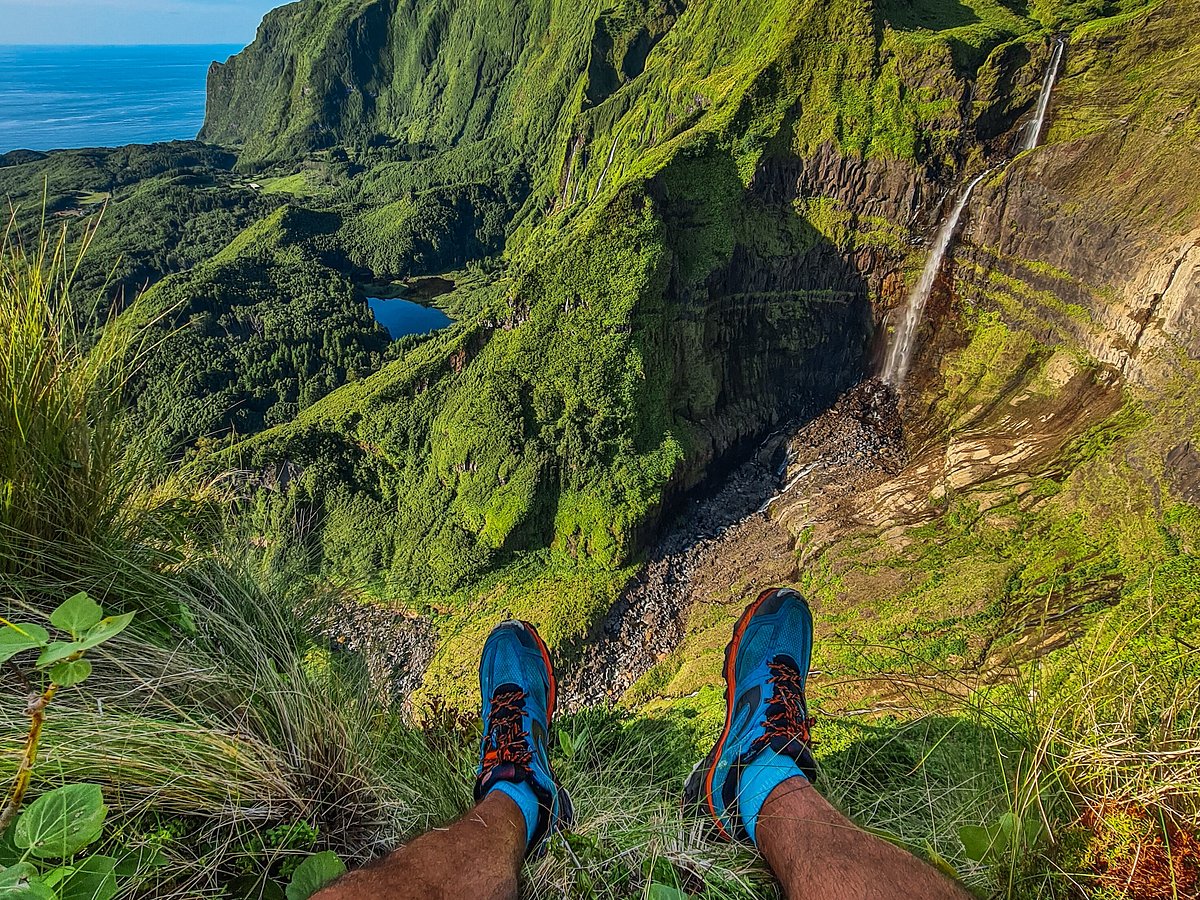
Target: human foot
<point x="516" y="680"/>
<point x="765" y="740"/>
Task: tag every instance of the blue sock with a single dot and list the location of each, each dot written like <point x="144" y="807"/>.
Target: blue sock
<point x="767" y="772"/>
<point x="526" y="800"/>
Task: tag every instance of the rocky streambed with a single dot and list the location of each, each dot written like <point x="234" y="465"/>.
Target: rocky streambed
<point x="647" y="620"/>
<point x="735" y="542"/>
<point x="727" y="544"/>
<point x="395" y="646"/>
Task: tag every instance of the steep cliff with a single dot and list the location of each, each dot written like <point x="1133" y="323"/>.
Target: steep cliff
<point x="709" y="226"/>
<point x="1047" y="472"/>
<point x="678" y="233"/>
<point x="430" y="75"/>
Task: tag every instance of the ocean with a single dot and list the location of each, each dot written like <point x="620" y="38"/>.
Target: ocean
<point x="77" y="96"/>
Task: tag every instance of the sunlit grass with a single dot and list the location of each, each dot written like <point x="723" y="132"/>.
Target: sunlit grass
<point x="63" y="449"/>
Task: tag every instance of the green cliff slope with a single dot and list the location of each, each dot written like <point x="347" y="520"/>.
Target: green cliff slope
<point x="673" y="227"/>
<point x="681" y="279"/>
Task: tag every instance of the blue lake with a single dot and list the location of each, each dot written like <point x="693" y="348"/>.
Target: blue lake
<point x="56" y="97"/>
<point x="401" y="317"/>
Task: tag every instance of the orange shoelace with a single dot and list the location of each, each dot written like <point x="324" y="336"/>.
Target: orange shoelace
<point x="507" y="741"/>
<point x="787" y="714"/>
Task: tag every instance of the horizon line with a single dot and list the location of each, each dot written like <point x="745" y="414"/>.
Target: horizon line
<point x="132" y="44"/>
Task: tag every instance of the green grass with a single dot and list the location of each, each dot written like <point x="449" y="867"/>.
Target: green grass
<point x="296" y="185"/>
<point x="566" y="427"/>
<point x="228" y="741"/>
<point x="218" y="717"/>
<point x="1051" y="614"/>
<point x="560" y="597"/>
<point x="63" y="456"/>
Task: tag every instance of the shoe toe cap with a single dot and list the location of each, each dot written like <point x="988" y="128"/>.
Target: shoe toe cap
<point x="512" y="655"/>
<point x="784" y="600"/>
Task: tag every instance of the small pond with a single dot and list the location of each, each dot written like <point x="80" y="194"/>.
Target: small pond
<point x="402" y="317"/>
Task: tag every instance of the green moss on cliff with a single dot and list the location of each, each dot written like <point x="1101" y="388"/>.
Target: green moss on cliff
<point x="563" y="414"/>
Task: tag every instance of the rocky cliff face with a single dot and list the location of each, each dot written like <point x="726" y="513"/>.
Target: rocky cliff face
<point x="1094" y="236"/>
<point x="1080" y="261"/>
<point x="1046" y="455"/>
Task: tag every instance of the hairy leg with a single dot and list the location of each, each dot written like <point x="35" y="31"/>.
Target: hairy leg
<point x="479" y="856"/>
<point x="816" y="852"/>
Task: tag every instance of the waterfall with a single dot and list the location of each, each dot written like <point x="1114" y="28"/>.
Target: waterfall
<point x="611" y="153"/>
<point x="1033" y="131"/>
<point x="571" y="156"/>
<point x="900" y="348"/>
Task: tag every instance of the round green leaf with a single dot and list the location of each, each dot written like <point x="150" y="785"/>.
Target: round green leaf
<point x="313" y="874"/>
<point x="62" y="822"/>
<point x="12" y="876"/>
<point x="69" y="674"/>
<point x="976" y="841"/>
<point x="93" y="879"/>
<point x="15" y="639"/>
<point x="1009" y="825"/>
<point x="57" y="652"/>
<point x="76" y="615"/>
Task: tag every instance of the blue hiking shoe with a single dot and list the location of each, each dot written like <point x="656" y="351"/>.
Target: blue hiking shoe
<point x="766" y="665"/>
<point x="516" y="680"/>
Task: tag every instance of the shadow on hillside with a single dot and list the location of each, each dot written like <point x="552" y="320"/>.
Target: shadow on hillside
<point x="929" y="15"/>
<point x="765" y="322"/>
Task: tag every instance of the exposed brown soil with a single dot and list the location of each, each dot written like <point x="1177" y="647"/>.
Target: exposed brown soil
<point x="1152" y="863"/>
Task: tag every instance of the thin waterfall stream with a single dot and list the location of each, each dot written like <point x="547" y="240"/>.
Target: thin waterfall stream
<point x="900" y="350"/>
<point x="903" y="340"/>
<point x="1033" y="131"/>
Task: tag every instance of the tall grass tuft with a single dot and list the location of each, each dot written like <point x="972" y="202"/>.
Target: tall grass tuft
<point x="1103" y="733"/>
<point x="1126" y="730"/>
<point x="222" y="716"/>
<point x="245" y="724"/>
<point x="63" y="481"/>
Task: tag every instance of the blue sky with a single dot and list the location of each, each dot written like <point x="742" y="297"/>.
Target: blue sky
<point x="131" y="21"/>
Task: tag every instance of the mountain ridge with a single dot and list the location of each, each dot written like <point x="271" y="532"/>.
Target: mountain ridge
<point x="674" y="239"/>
